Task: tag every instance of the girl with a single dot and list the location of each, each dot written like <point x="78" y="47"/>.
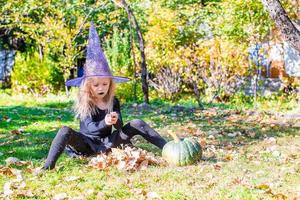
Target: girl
<point x="99" y="112"/>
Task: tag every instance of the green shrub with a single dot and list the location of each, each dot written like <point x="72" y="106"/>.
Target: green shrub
<point x="125" y="91"/>
<point x="241" y="99"/>
<point x="118" y="53"/>
<point x="35" y="76"/>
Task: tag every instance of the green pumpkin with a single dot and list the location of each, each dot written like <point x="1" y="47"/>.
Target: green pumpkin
<point x="181" y="152"/>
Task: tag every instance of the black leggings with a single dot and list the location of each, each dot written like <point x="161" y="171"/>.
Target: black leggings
<point x="67" y="136"/>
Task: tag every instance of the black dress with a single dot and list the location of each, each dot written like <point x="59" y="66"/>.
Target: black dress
<point x="97" y="133"/>
<point x="96" y="136"/>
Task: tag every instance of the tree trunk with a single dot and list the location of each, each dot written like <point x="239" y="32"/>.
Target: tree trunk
<point x="123" y="4"/>
<point x="288" y="30"/>
<point x="41" y="53"/>
<point x="134" y="63"/>
<point x="197" y="94"/>
<point x="202" y="2"/>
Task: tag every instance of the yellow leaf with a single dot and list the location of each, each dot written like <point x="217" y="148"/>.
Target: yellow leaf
<point x="279" y="196"/>
<point x="262" y="187"/>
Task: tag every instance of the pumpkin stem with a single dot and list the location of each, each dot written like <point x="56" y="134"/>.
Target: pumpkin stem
<point x="176" y="138"/>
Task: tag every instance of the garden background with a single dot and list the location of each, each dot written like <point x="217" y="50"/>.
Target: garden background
<point x="223" y="71"/>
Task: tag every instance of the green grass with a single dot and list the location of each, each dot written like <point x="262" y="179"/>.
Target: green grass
<point x="231" y="168"/>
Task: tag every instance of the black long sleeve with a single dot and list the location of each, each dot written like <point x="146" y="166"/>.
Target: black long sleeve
<point x="117" y="109"/>
<point x="95" y="125"/>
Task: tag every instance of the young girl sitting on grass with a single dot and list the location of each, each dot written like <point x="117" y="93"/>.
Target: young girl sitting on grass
<point x="99" y="111"/>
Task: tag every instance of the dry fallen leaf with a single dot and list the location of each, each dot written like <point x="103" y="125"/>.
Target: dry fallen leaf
<point x="17" y="131"/>
<point x="139" y="191"/>
<point x="202" y="142"/>
<point x="11" y="160"/>
<point x="15" y="161"/>
<point x="240" y="181"/>
<point x="128" y="159"/>
<point x="270" y="140"/>
<point x="7" y="188"/>
<point x="217" y="167"/>
<point x="100" y="195"/>
<point x="228" y="157"/>
<point x="279" y="196"/>
<point x="143" y="165"/>
<point x="60" y="196"/>
<point x="25" y="193"/>
<point x="152" y="195"/>
<point x="264" y="187"/>
<point x="80" y="197"/>
<point x="7" y="171"/>
<point x="251" y="134"/>
<point x="71" y="178"/>
<point x="18" y="174"/>
<point x="90" y="192"/>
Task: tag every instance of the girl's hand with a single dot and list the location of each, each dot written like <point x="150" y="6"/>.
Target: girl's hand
<point x="114" y="117"/>
<point x="111" y="118"/>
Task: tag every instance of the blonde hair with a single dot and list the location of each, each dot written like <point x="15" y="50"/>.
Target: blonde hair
<point x="85" y="104"/>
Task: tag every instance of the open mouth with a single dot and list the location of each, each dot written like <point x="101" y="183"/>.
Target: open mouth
<point x="101" y="93"/>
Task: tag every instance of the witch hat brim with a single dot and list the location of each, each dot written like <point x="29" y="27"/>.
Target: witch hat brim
<point x="77" y="81"/>
<point x="96" y="64"/>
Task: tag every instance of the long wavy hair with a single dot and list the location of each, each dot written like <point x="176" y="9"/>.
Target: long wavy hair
<point x="85" y="104"/>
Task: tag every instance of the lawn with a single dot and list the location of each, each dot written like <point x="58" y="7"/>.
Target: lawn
<point x="247" y="153"/>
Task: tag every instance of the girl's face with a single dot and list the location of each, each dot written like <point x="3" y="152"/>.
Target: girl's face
<point x="100" y="86"/>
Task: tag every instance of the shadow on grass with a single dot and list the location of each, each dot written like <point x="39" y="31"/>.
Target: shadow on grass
<point x="34" y="145"/>
<point x="57" y="105"/>
<point x="28" y="146"/>
<point x="39" y="126"/>
<point x="15" y="117"/>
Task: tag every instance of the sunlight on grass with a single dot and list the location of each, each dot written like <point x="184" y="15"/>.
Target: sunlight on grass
<point x="233" y="167"/>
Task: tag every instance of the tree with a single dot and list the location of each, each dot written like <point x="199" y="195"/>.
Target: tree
<point x="132" y="20"/>
<point x="289" y="32"/>
<point x="56" y="32"/>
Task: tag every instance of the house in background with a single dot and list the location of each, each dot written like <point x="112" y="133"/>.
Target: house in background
<point x="7" y="60"/>
<point x="284" y="61"/>
<point x="275" y="60"/>
<point x="275" y="57"/>
<point x="291" y="61"/>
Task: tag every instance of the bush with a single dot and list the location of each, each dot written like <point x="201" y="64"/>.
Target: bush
<point x="241" y="99"/>
<point x="35" y="76"/>
<point x="125" y="91"/>
<point x="167" y="83"/>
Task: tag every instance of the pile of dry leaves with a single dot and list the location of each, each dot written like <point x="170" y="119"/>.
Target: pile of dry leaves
<point x="128" y="159"/>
